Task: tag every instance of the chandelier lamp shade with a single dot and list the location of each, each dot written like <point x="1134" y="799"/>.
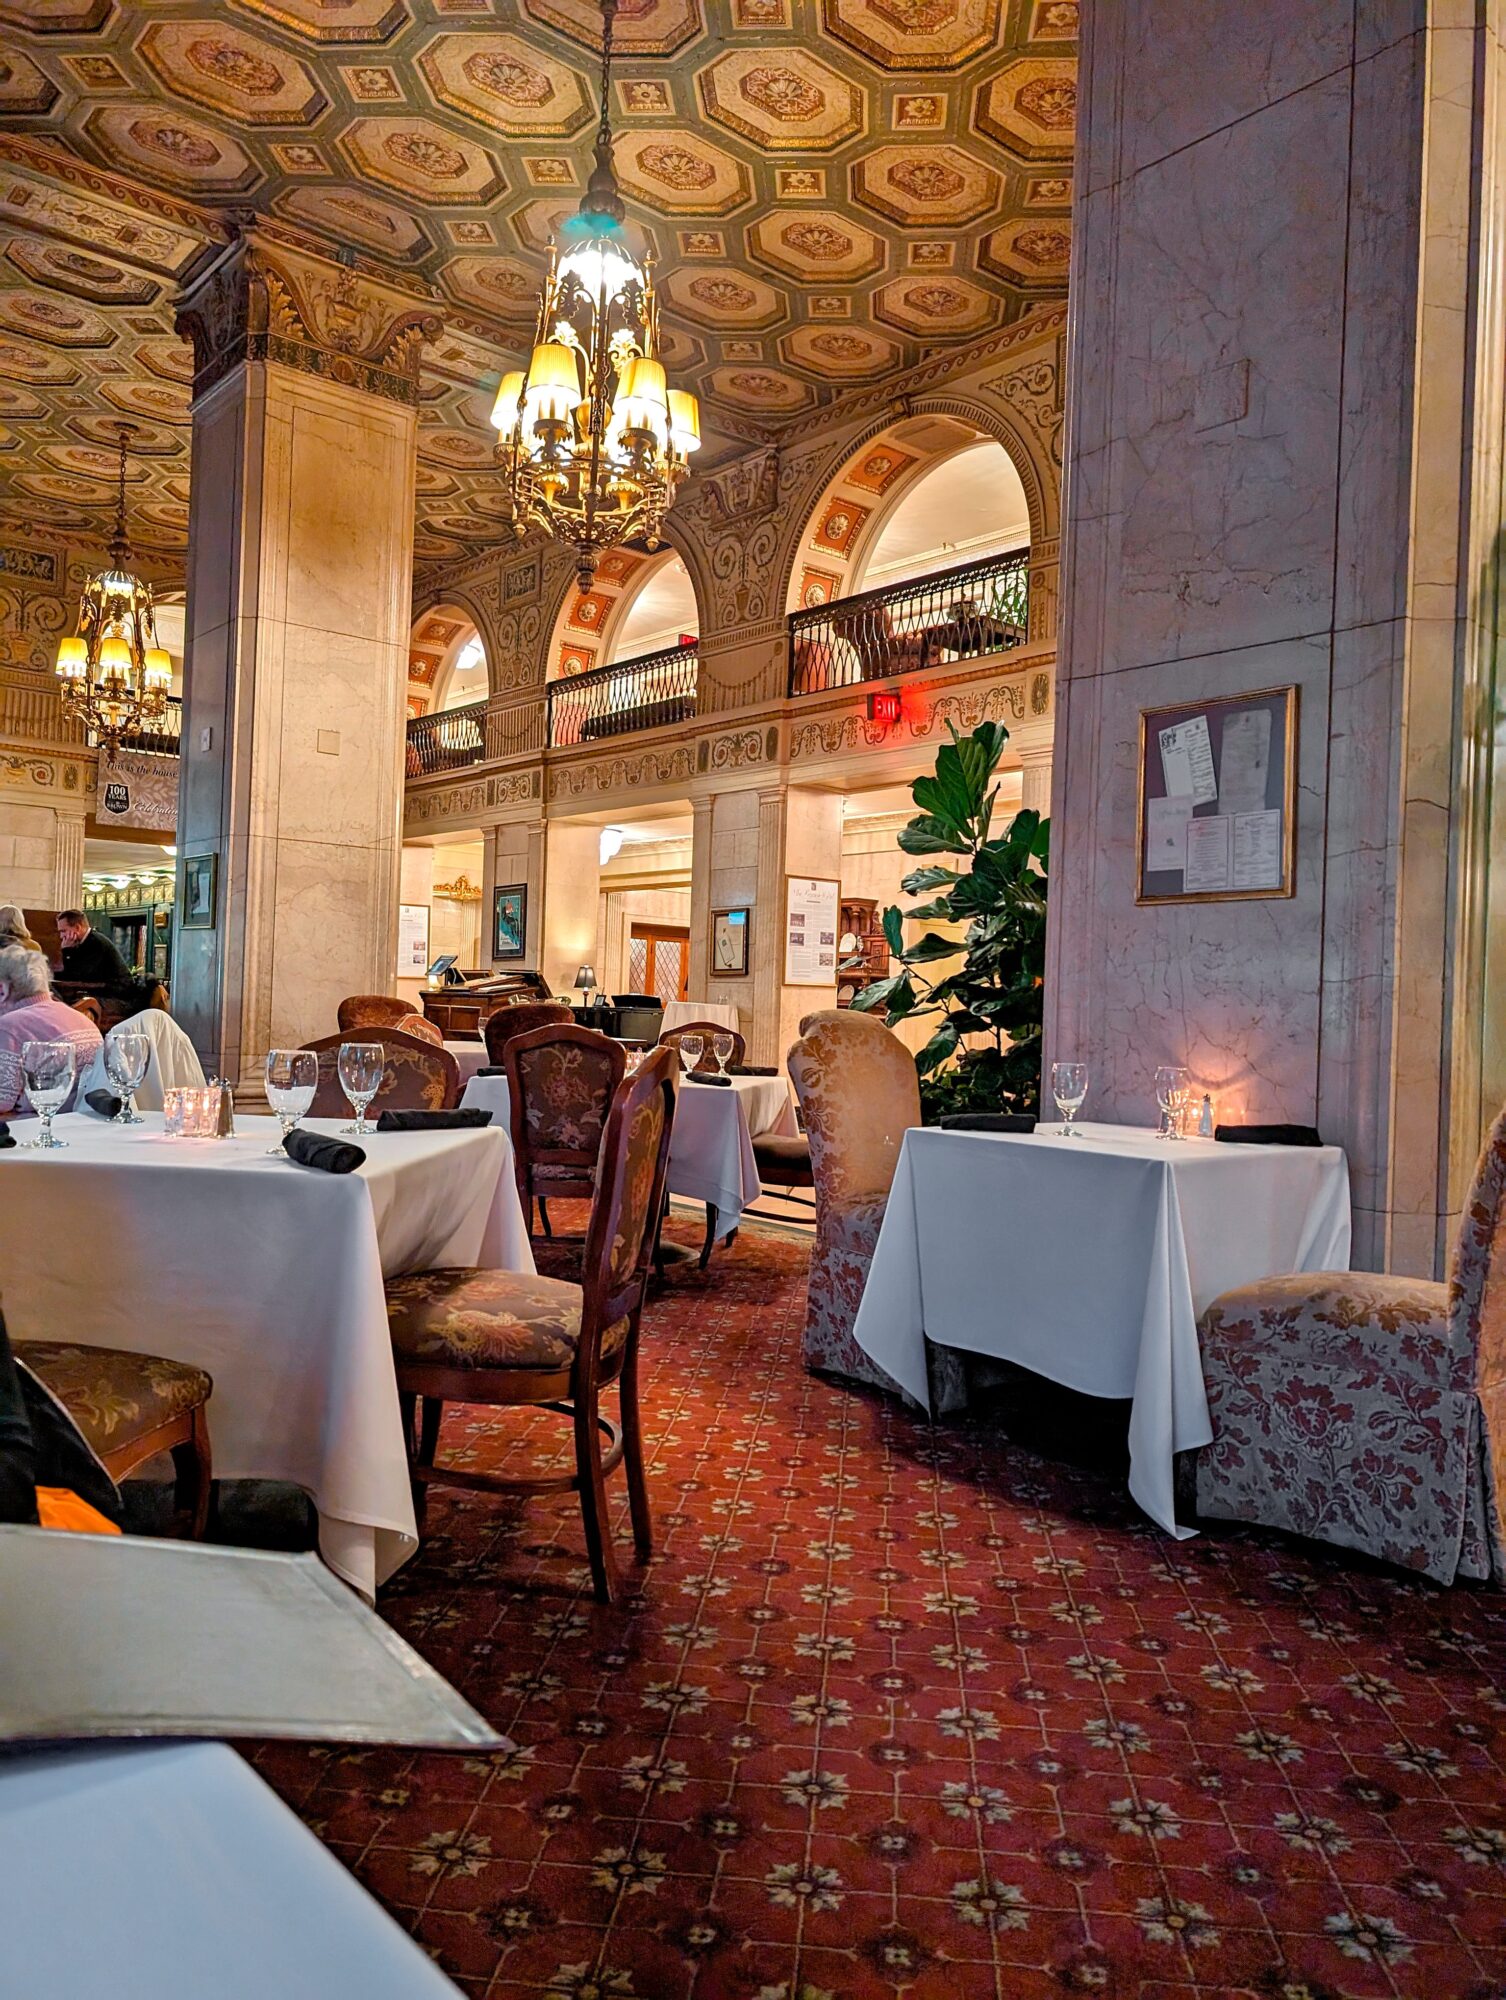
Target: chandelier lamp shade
<point x="593" y="441"/>
<point x="114" y="676"/>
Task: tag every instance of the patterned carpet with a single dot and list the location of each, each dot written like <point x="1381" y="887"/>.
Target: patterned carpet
<point x="909" y="1711"/>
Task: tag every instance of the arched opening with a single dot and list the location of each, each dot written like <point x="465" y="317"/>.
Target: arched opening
<point x="447" y="691"/>
<point x="630" y="641"/>
<point x="961" y="507"/>
<point x="660" y="613"/>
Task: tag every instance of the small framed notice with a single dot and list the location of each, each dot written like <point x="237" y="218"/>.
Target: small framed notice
<point x="810" y="930"/>
<point x="729" y="944"/>
<point x="1217" y="799"/>
<point x="412" y="940"/>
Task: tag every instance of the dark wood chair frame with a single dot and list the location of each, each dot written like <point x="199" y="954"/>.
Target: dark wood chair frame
<point x="499" y="1029"/>
<point x="581" y="1186"/>
<point x="425" y="1387"/>
<point x="707" y="1063"/>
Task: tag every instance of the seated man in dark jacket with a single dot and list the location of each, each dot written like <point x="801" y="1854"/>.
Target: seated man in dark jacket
<point x="87" y="955"/>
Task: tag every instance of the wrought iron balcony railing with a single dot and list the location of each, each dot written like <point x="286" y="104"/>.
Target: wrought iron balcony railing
<point x="449" y="740"/>
<point x="635" y="694"/>
<point x="954" y="614"/>
<point x="165" y="737"/>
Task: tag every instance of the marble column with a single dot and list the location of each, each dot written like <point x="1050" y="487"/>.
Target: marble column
<point x="799" y="833"/>
<point x="700" y="896"/>
<point x="513" y="854"/>
<point x="68" y="861"/>
<point x="299" y="599"/>
<point x="571" y="913"/>
<point x="1035" y="778"/>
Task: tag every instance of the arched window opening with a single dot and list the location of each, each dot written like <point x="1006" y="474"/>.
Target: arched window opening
<point x="623" y="656"/>
<point x="958" y="510"/>
<point x="467" y="676"/>
<point x="659" y="614"/>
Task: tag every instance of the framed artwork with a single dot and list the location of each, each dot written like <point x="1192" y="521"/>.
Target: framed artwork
<point x="412" y="940"/>
<point x="810" y="930"/>
<point x="510" y="921"/>
<point x="1217" y="799"/>
<point x="729" y="943"/>
<point x="200" y="879"/>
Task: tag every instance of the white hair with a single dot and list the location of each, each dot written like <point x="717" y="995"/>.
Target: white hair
<point x="24" y="973"/>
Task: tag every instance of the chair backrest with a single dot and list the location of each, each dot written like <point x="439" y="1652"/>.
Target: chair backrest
<point x="521" y="1017"/>
<point x="172" y="1061"/>
<point x="859" y="1094"/>
<point x="90" y="1008"/>
<point x="1477" y="1281"/>
<point x="560" y="1083"/>
<point x="706" y="1062"/>
<point x="630" y="1180"/>
<point x="418" y="1077"/>
<point x="421" y="1026"/>
<point x="370" y="1010"/>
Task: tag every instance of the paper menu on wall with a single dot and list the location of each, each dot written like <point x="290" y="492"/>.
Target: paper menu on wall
<point x="1207" y="855"/>
<point x="1187" y="761"/>
<point x="1244" y="761"/>
<point x="1256" y="862"/>
<point x="1166" y="823"/>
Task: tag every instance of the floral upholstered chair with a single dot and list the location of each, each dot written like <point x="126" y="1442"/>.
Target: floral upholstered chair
<point x="858" y="1094"/>
<point x="421" y="1026"/>
<point x="370" y="1010"/>
<point x="560" y="1083"/>
<point x="521" y="1018"/>
<point x="501" y="1337"/>
<point x="1370" y="1411"/>
<point x="418" y="1076"/>
<point x="706" y="1062"/>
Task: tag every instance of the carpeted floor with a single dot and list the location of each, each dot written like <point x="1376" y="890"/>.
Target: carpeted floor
<point x="909" y="1711"/>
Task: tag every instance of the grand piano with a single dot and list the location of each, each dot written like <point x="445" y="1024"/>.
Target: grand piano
<point x="461" y="1008"/>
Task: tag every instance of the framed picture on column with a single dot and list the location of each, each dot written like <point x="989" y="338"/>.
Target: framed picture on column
<point x="729" y="943"/>
<point x="510" y="922"/>
<point x="1217" y="814"/>
<point x="200" y="876"/>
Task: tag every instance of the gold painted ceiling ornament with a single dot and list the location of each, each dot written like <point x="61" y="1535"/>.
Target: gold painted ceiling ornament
<point x="593" y="441"/>
<point x="115" y="677"/>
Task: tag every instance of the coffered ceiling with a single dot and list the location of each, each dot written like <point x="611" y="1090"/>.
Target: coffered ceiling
<point x="832" y="189"/>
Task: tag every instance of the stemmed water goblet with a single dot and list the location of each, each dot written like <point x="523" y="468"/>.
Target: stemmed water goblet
<point x="48" y="1070"/>
<point x="692" y="1047"/>
<point x="1171" y="1095"/>
<point x="362" y="1066"/>
<point x="290" y="1078"/>
<point x="722" y="1046"/>
<point x="127" y="1053"/>
<point x="1069" y="1086"/>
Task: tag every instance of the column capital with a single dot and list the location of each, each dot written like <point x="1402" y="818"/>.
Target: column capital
<point x="267" y="299"/>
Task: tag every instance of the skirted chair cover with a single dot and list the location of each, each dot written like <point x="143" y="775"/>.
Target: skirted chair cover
<point x="1370" y="1411"/>
<point x="418" y="1076"/>
<point x="172" y="1062"/>
<point x="560" y="1083"/>
<point x="370" y="1010"/>
<point x="859" y="1094"/>
<point x="521" y="1018"/>
<point x="706" y="1062"/>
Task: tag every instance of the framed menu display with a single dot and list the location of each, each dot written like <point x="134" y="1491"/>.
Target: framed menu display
<point x="810" y="930"/>
<point x="1217" y="798"/>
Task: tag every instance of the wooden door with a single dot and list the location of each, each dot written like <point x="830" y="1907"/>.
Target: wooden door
<point x="659" y="960"/>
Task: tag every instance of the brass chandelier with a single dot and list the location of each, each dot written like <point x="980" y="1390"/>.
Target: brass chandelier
<point x="594" y="442"/>
<point x="115" y="677"/>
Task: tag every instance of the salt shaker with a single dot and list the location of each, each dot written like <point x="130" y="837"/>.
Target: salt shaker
<point x="225" y="1128"/>
<point x="1205" y="1118"/>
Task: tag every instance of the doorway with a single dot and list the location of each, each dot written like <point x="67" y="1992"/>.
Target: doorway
<point x="659" y="960"/>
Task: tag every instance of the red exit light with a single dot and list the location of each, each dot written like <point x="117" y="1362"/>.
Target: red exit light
<point x="883" y="705"/>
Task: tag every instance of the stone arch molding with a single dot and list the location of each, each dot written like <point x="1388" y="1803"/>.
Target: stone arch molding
<point x="439" y="634"/>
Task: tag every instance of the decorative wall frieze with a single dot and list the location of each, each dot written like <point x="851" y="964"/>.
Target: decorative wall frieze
<point x="1023" y="697"/>
<point x="738" y="749"/>
<point x="459" y="802"/>
<point x="1035" y="391"/>
<point x="58" y="777"/>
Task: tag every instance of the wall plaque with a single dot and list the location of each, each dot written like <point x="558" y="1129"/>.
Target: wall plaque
<point x="1217" y="798"/>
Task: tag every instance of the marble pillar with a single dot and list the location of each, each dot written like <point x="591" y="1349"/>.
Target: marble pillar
<point x="572" y="899"/>
<point x="68" y="861"/>
<point x="799" y="833"/>
<point x="299" y="599"/>
<point x="1035" y="778"/>
<point x="700" y="896"/>
<point x="1280" y="352"/>
<point x="513" y="856"/>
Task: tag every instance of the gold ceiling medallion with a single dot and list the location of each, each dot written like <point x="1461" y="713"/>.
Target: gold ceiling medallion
<point x="594" y="442"/>
<point x="115" y="677"/>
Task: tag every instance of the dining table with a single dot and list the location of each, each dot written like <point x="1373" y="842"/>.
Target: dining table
<point x="268" y="1275"/>
<point x="1089" y="1259"/>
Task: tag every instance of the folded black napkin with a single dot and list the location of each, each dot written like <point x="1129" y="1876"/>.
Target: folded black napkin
<point x="460" y="1120"/>
<point x="753" y="1069"/>
<point x="330" y="1156"/>
<point x="987" y="1121"/>
<point x="492" y="1069"/>
<point x="1268" y="1135"/>
<point x="105" y="1102"/>
<point x="721" y="1082"/>
<point x="7" y="1139"/>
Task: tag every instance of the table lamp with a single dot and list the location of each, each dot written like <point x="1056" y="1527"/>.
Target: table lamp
<point x="585" y="979"/>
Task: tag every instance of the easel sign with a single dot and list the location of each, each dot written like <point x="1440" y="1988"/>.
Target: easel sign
<point x="1217" y="799"/>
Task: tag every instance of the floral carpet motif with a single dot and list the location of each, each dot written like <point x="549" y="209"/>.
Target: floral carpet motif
<point x="902" y="1710"/>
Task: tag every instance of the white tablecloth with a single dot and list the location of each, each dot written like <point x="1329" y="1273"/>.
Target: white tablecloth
<point x="140" y="1871"/>
<point x="268" y="1275"/>
<point x="711" y="1147"/>
<point x="470" y="1056"/>
<point x="1089" y="1261"/>
<point x="680" y="1013"/>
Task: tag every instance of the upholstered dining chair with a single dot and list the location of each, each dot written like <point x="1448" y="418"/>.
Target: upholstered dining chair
<point x="521" y="1018"/>
<point x="858" y="1094"/>
<point x="1370" y="1411"/>
<point x="421" y="1026"/>
<point x="560" y="1083"/>
<point x="499" y="1337"/>
<point x="370" y="1010"/>
<point x="129" y="1408"/>
<point x="418" y="1076"/>
<point x="706" y="1062"/>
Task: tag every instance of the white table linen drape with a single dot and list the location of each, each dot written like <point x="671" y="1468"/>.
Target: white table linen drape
<point x="469" y="1056"/>
<point x="680" y="1013"/>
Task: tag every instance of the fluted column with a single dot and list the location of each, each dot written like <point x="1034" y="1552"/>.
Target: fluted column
<point x="68" y="860"/>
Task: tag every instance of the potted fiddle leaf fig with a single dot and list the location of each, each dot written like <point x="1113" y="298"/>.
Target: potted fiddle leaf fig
<point x="985" y="1054"/>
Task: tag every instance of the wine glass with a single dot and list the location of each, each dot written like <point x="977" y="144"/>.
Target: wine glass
<point x="1069" y="1086"/>
<point x="127" y="1053"/>
<point x="722" y="1046"/>
<point x="290" y="1078"/>
<point x="1171" y="1095"/>
<point x="692" y="1047"/>
<point x="362" y="1066"/>
<point x="48" y="1070"/>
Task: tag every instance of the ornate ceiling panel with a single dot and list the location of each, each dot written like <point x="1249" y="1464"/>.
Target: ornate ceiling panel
<point x="831" y="189"/>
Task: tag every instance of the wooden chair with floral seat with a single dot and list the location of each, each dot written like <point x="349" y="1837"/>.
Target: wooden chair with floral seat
<point x="510" y="1340"/>
<point x="1367" y="1410"/>
<point x="859" y="1095"/>
<point x="706" y="1062"/>
<point x="418" y="1076"/>
<point x="370" y="1010"/>
<point x="129" y="1408"/>
<point x="521" y="1018"/>
<point x="560" y="1083"/>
